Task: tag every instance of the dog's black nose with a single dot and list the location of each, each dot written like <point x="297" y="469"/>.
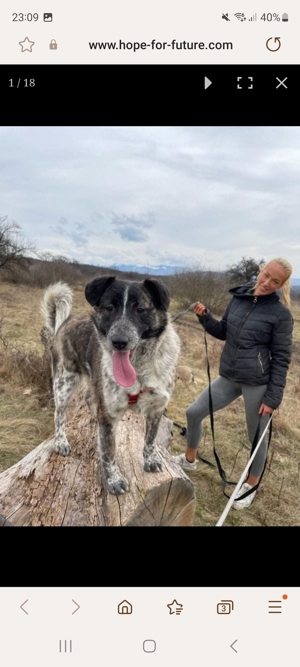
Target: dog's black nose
<point x="119" y="341"/>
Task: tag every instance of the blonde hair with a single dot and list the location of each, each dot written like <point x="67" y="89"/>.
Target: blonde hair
<point x="286" y="286"/>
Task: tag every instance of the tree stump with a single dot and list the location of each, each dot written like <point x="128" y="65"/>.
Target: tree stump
<point x="47" y="489"/>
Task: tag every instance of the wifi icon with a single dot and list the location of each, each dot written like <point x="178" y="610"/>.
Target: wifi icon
<point x="240" y="17"/>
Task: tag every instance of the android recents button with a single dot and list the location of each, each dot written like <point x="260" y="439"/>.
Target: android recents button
<point x="149" y="646"/>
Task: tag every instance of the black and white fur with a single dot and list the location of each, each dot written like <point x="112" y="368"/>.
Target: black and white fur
<point x="127" y="316"/>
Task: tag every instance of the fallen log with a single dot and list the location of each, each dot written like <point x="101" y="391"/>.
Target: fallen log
<point x="46" y="489"/>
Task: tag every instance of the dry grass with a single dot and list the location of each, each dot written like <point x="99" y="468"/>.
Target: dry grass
<point x="22" y="320"/>
<point x="24" y="424"/>
<point x="26" y="416"/>
<point x="277" y="502"/>
<point x="296" y="316"/>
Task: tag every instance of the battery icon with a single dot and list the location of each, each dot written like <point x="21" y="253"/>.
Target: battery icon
<point x="285" y="17"/>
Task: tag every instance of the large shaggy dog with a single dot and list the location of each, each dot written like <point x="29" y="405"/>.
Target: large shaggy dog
<point x="126" y="351"/>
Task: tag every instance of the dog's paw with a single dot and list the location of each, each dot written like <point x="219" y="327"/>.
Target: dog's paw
<point x="152" y="464"/>
<point x="117" y="485"/>
<point x="62" y="447"/>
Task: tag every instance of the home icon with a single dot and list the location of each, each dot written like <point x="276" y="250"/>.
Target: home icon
<point x="125" y="607"/>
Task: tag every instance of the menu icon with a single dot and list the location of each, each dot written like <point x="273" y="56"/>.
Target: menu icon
<point x="275" y="605"/>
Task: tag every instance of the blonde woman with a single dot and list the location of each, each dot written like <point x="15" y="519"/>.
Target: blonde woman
<point x="257" y="327"/>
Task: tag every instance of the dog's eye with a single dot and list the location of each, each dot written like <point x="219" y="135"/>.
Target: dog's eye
<point x="140" y="310"/>
<point x="109" y="308"/>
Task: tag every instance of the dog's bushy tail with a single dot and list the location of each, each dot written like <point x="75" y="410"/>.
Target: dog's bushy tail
<point x="56" y="305"/>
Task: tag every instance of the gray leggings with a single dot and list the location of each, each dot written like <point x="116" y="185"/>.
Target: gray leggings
<point x="223" y="392"/>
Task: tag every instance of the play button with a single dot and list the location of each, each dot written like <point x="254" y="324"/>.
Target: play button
<point x="207" y="82"/>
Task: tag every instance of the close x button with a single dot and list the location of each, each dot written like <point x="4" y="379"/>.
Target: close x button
<point x="281" y="82"/>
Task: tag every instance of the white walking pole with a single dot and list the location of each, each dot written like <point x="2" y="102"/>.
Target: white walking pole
<point x="242" y="477"/>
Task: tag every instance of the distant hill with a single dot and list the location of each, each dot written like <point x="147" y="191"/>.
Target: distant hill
<point x="129" y="271"/>
<point x="160" y="270"/>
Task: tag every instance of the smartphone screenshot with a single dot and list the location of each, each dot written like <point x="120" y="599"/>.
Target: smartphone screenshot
<point x="149" y="270"/>
<point x="149" y="333"/>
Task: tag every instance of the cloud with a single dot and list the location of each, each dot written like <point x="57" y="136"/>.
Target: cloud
<point x="77" y="232"/>
<point x="132" y="228"/>
<point x="148" y="195"/>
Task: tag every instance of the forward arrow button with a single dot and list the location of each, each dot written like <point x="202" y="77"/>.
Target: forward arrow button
<point x="78" y="607"/>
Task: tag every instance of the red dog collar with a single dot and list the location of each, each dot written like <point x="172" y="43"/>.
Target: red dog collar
<point x="132" y="398"/>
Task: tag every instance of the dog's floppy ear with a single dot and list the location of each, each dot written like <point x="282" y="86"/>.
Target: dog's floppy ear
<point x="159" y="293"/>
<point x="95" y="289"/>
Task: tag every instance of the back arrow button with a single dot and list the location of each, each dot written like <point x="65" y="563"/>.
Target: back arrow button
<point x="22" y="607"/>
<point x="231" y="645"/>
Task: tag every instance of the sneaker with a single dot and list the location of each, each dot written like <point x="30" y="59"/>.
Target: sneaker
<point x="184" y="463"/>
<point x="245" y="502"/>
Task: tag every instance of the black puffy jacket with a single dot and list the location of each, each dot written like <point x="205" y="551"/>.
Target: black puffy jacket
<point x="258" y="334"/>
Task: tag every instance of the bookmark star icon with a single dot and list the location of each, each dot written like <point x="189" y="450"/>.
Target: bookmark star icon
<point x="26" y="45"/>
<point x="175" y="607"/>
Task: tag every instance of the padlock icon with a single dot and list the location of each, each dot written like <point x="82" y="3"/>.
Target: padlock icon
<point x="53" y="44"/>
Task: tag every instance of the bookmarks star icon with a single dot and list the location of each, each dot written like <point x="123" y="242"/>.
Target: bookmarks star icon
<point x="175" y="607"/>
<point x="26" y="45"/>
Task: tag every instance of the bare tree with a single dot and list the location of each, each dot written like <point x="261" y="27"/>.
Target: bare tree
<point x="51" y="268"/>
<point x="244" y="271"/>
<point x="13" y="247"/>
<point x="199" y="284"/>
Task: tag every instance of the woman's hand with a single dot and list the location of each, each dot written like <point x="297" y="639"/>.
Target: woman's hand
<point x="199" y="308"/>
<point x="265" y="410"/>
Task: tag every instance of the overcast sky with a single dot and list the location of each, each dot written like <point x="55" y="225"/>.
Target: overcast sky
<point x="186" y="196"/>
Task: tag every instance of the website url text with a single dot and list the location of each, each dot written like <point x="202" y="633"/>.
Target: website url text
<point x="155" y="45"/>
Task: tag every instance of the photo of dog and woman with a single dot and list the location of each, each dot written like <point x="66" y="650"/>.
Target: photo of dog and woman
<point x="149" y="326"/>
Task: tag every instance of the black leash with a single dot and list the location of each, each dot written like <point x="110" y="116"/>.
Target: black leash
<point x="222" y="473"/>
<point x="183" y="429"/>
<point x="254" y="444"/>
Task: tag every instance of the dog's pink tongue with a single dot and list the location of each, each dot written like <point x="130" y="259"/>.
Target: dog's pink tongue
<point x="124" y="372"/>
